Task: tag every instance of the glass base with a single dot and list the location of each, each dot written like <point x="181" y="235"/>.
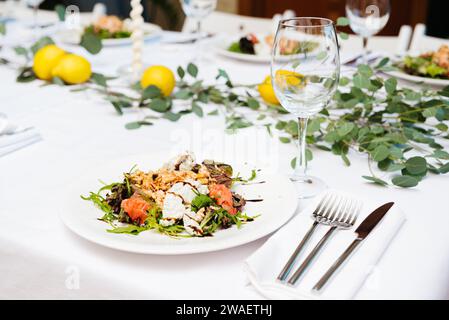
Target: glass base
<point x="307" y="186"/>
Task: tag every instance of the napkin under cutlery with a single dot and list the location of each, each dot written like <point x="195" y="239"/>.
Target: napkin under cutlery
<point x="14" y="137"/>
<point x="264" y="265"/>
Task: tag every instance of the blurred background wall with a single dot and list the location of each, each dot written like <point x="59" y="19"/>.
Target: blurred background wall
<point x="168" y="13"/>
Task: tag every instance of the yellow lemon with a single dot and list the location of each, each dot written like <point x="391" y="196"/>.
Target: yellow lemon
<point x="266" y="91"/>
<point x="73" y="69"/>
<point x="46" y="59"/>
<point x="286" y="79"/>
<point x="161" y="77"/>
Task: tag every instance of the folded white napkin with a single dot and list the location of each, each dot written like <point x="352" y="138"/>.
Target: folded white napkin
<point x="265" y="264"/>
<point x="14" y="137"/>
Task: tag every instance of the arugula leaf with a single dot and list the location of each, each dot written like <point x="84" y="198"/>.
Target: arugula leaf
<point x="201" y="201"/>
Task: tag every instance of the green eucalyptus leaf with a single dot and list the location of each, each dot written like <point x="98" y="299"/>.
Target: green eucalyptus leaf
<point x="444" y="169"/>
<point x="416" y="166"/>
<point x="183" y="94"/>
<point x="285" y="140"/>
<point x="26" y="75"/>
<point x="172" y="116"/>
<point x="151" y="92"/>
<point x="253" y="104"/>
<point x="342" y="22"/>
<point x="441" y="154"/>
<point x="375" y="180"/>
<point x="133" y="125"/>
<point x="99" y="79"/>
<point x="181" y="72"/>
<point x="58" y="81"/>
<point x="159" y="105"/>
<point x="343" y="35"/>
<point x="60" y="11"/>
<point x="91" y="42"/>
<point x="137" y="124"/>
<point x="382" y="63"/>
<point x="192" y="70"/>
<point x="365" y="70"/>
<point x="345" y="129"/>
<point x="405" y="181"/>
<point x="196" y="109"/>
<point x="380" y="153"/>
<point x="42" y="42"/>
<point x="391" y="85"/>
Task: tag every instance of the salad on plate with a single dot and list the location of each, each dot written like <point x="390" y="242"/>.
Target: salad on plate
<point x="434" y="64"/>
<point x="262" y="45"/>
<point x="182" y="199"/>
<point x="110" y="27"/>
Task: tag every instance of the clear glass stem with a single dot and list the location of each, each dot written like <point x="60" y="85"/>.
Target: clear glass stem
<point x="35" y="9"/>
<point x="365" y="50"/>
<point x="198" y="29"/>
<point x="301" y="160"/>
<point x="198" y="52"/>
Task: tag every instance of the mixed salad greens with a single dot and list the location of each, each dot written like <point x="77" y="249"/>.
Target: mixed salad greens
<point x="109" y="27"/>
<point x="251" y="44"/>
<point x="182" y="199"/>
<point x="430" y="65"/>
<point x="106" y="34"/>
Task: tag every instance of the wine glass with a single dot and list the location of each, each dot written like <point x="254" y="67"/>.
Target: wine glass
<point x="198" y="10"/>
<point x="367" y="18"/>
<point x="305" y="81"/>
<point x="35" y="5"/>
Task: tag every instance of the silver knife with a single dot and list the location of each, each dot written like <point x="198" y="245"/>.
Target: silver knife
<point x="362" y="232"/>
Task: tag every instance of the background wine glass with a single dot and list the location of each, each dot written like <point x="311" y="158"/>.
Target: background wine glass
<point x="198" y="10"/>
<point x="35" y="5"/>
<point x="367" y="18"/>
<point x="305" y="82"/>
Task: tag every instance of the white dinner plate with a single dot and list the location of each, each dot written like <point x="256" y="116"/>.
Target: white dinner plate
<point x="420" y="80"/>
<point x="221" y="47"/>
<point x="278" y="206"/>
<point x="223" y="51"/>
<point x="151" y="31"/>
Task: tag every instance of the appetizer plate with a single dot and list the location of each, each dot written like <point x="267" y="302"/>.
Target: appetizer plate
<point x="420" y="80"/>
<point x="221" y="47"/>
<point x="151" y="31"/>
<point x="278" y="206"/>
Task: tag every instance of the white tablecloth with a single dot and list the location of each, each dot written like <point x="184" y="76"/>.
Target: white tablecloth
<point x="41" y="258"/>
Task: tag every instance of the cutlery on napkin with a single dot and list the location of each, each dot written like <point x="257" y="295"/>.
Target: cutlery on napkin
<point x="14" y="137"/>
<point x="264" y="265"/>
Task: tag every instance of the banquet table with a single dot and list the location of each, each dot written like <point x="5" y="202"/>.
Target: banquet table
<point x="41" y="259"/>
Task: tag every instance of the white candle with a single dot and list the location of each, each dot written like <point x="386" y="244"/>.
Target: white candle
<point x="137" y="37"/>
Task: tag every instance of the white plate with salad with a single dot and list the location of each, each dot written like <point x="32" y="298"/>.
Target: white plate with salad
<point x="431" y="68"/>
<point x="258" y="48"/>
<point x="147" y="205"/>
<point x="111" y="30"/>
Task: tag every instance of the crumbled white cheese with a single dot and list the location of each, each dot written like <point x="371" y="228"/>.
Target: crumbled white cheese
<point x="198" y="216"/>
<point x="201" y="188"/>
<point x="183" y="190"/>
<point x="172" y="210"/>
<point x="183" y="162"/>
<point x="192" y="227"/>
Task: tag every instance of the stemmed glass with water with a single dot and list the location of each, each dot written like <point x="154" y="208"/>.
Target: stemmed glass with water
<point x="305" y="83"/>
<point x="367" y="18"/>
<point x="35" y="5"/>
<point x="198" y="10"/>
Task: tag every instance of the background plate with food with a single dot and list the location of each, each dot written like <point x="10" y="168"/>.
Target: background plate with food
<point x="112" y="30"/>
<point x="431" y="68"/>
<point x="258" y="48"/>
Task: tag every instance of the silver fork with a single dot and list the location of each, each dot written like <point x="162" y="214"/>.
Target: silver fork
<point x="344" y="214"/>
<point x="321" y="215"/>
